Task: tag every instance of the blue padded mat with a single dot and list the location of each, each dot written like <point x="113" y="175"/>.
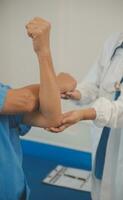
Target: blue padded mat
<point x="36" y="168"/>
<point x="40" y="159"/>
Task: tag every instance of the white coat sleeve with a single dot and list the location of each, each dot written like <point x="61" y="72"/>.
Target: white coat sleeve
<point x="89" y="87"/>
<point x="109" y="113"/>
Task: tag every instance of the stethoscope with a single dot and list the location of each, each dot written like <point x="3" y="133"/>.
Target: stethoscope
<point x="117" y="84"/>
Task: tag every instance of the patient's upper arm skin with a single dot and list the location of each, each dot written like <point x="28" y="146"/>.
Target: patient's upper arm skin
<point x="19" y="101"/>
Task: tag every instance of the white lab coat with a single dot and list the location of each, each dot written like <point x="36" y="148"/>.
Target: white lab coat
<point x="98" y="87"/>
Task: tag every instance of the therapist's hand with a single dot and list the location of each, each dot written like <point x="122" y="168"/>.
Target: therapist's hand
<point x="66" y="83"/>
<point x="73" y="117"/>
<point x="69" y="119"/>
<point x="73" y="95"/>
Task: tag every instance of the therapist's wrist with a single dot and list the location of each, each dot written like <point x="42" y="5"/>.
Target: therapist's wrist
<point x="88" y="114"/>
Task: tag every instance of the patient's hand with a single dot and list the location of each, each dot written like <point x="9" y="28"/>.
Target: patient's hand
<point x="39" y="30"/>
<point x="66" y="83"/>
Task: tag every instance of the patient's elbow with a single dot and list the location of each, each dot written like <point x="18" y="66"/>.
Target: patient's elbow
<point x="55" y="121"/>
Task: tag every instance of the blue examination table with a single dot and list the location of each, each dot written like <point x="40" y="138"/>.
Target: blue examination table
<point x="40" y="159"/>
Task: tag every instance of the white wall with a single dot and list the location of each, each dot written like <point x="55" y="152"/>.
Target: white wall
<point x="79" y="28"/>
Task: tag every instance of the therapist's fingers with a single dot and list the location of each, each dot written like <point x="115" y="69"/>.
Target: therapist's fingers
<point x="53" y="130"/>
<point x="67" y="95"/>
<point x="71" y="95"/>
<point x="75" y="95"/>
<point x="68" y="117"/>
<point x="64" y="96"/>
<point x="58" y="129"/>
<point x="71" y="117"/>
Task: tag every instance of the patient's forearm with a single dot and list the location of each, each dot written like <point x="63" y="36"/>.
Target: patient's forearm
<point x="49" y="96"/>
<point x="49" y="93"/>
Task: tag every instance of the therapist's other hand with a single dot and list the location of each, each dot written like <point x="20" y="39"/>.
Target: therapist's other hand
<point x="39" y="30"/>
<point x="69" y="118"/>
<point x="66" y="83"/>
<point x="74" y="95"/>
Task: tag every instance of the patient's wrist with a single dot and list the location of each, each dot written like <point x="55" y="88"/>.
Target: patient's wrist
<point x="44" y="52"/>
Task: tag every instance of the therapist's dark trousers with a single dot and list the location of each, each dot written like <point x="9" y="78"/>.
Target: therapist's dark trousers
<point x="23" y="196"/>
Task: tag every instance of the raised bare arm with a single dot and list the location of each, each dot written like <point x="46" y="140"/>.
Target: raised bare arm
<point x="49" y="93"/>
<point x="45" y="95"/>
